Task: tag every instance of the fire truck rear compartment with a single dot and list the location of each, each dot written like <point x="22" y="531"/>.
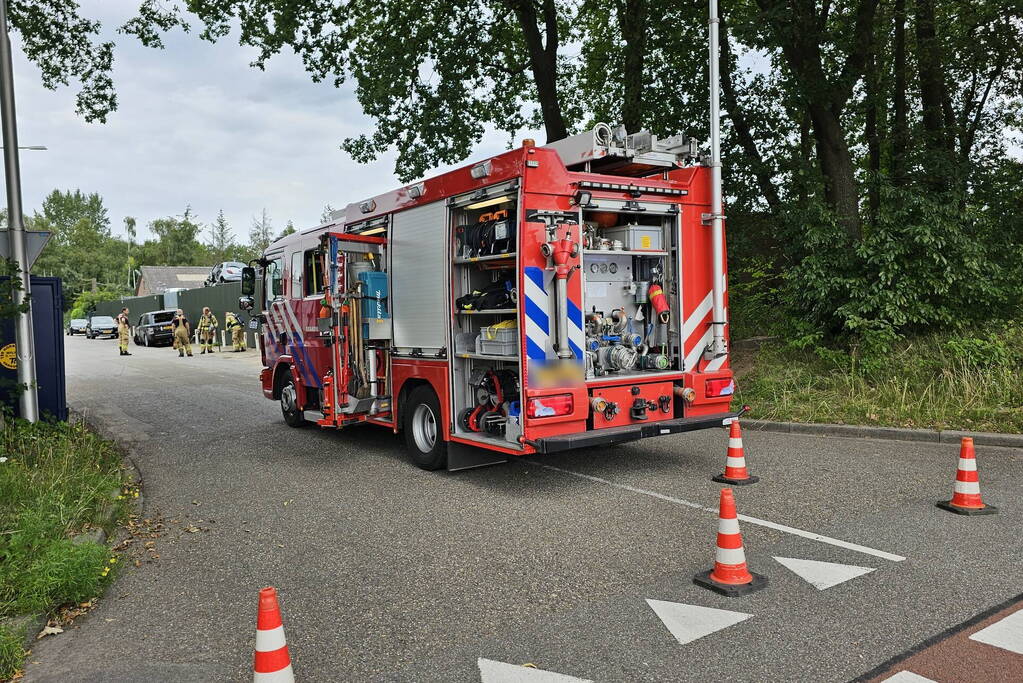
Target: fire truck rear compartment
<point x="486" y="350"/>
<point x="630" y="291"/>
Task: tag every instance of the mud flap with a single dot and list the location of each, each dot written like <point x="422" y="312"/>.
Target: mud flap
<point x="464" y="457"/>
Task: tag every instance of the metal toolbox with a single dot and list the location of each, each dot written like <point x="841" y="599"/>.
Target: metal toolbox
<point x="635" y="237"/>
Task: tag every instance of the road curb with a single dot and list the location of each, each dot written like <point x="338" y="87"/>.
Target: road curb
<point x="945" y="436"/>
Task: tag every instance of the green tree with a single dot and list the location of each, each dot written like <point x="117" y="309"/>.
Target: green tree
<point x="177" y="242"/>
<point x="434" y="77"/>
<point x="261" y="232"/>
<point x="66" y="48"/>
<point x="327" y="215"/>
<point x="861" y="153"/>
<point x="81" y="247"/>
<point x="221" y="245"/>
<point x="289" y="229"/>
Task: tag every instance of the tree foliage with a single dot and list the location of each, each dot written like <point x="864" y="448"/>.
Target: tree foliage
<point x="261" y="233"/>
<point x="221" y="245"/>
<point x="867" y="161"/>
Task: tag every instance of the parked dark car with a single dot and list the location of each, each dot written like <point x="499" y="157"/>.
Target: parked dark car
<point x="101" y="326"/>
<point x="154" y="328"/>
<point x="77" y="326"/>
<point x="228" y="271"/>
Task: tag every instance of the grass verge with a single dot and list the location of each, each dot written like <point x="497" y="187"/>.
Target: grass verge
<point x="939" y="381"/>
<point x="56" y="481"/>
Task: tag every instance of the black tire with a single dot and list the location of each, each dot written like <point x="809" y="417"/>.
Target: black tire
<point x="421" y="423"/>
<point x="289" y="396"/>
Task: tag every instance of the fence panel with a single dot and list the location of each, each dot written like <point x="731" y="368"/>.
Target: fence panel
<point x="137" y="305"/>
<point x="220" y="298"/>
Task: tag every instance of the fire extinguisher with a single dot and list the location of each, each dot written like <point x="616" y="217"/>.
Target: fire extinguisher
<point x="659" y="302"/>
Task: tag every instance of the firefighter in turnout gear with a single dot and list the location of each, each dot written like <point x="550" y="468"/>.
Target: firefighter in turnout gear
<point x="123" y="331"/>
<point x="182" y="333"/>
<point x="237" y="330"/>
<point x="207" y="330"/>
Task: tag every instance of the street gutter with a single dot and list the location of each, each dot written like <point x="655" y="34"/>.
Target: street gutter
<point x="947" y="436"/>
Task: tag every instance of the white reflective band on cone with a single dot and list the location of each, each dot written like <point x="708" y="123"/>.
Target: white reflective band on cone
<point x="728" y="526"/>
<point x="735" y="443"/>
<point x="967" y="487"/>
<point x="730" y="556"/>
<point x="968" y="464"/>
<point x="735" y="462"/>
<point x="285" y="675"/>
<point x="270" y="639"/>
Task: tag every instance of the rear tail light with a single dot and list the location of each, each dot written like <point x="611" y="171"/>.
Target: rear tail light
<point x="720" y="387"/>
<point x="550" y="406"/>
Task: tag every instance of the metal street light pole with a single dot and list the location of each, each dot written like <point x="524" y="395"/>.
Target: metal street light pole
<point x="29" y="399"/>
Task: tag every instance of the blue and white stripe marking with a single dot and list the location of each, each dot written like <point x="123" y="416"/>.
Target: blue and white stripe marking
<point x="538" y="322"/>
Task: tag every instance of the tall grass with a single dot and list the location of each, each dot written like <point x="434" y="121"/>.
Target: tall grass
<point x="55" y="481"/>
<point x="939" y="381"/>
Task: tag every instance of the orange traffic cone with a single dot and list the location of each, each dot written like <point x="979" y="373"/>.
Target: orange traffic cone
<point x="736" y="472"/>
<point x="729" y="577"/>
<point x="272" y="663"/>
<point x="966" y="495"/>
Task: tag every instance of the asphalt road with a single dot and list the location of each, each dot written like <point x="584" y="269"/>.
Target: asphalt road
<point x="390" y="573"/>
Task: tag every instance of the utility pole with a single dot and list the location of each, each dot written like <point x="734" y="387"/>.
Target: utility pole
<point x="29" y="399"/>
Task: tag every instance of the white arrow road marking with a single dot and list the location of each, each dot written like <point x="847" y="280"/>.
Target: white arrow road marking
<point x="823" y="574"/>
<point x="499" y="672"/>
<point x="1005" y="633"/>
<point x="908" y="677"/>
<point x="689" y="622"/>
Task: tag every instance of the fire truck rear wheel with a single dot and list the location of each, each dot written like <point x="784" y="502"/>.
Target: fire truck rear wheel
<point x="289" y="403"/>
<point x="423" y="432"/>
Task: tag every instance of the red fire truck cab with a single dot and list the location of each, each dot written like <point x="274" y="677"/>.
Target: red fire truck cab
<point x="544" y="299"/>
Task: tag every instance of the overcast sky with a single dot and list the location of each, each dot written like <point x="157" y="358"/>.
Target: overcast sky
<point x="196" y="125"/>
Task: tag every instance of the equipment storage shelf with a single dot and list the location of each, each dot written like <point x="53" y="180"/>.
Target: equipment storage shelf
<point x="490" y="311"/>
<point x="612" y="252"/>
<point x="488" y="356"/>
<point x="485" y="360"/>
<point x="485" y="259"/>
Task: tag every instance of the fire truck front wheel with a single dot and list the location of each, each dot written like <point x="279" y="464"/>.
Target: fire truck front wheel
<point x="289" y="402"/>
<point x="423" y="433"/>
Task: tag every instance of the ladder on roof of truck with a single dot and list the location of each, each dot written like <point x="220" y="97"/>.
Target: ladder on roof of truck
<point x="615" y="152"/>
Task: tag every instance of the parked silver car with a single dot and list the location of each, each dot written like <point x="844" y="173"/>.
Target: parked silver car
<point x="227" y="271"/>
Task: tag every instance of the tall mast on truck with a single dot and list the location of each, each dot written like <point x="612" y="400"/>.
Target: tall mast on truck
<point x="718" y="346"/>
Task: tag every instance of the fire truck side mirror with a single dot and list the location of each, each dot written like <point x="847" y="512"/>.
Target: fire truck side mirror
<point x="248" y="281"/>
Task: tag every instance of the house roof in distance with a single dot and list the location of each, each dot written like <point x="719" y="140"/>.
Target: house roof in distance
<point x="158" y="279"/>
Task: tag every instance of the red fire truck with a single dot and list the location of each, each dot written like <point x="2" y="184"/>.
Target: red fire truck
<point x="547" y="298"/>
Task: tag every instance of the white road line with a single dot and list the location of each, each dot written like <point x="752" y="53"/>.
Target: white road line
<point x="626" y="487"/>
<point x="745" y="518"/>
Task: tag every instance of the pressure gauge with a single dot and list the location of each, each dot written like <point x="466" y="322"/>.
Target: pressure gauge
<point x="603" y="267"/>
<point x="594" y="267"/>
<point x="613" y="268"/>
